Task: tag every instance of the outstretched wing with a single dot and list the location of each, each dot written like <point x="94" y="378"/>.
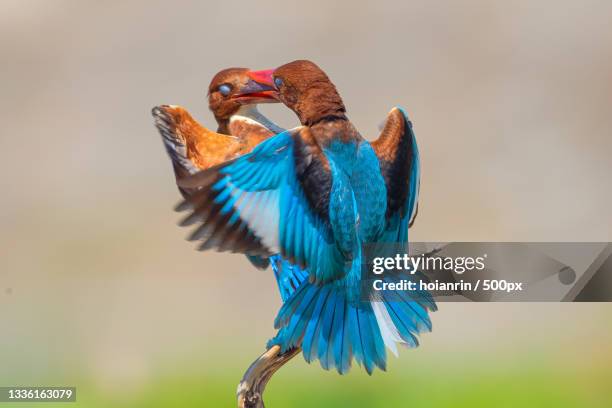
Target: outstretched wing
<point x="257" y="204"/>
<point x="398" y="155"/>
<point x="190" y="146"/>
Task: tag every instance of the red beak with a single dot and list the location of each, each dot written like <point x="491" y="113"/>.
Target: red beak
<point x="263" y="77"/>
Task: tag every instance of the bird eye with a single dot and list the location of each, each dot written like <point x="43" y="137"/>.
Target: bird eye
<point x="225" y="89"/>
<point x="278" y="82"/>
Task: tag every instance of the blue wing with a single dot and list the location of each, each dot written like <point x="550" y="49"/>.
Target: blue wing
<point x="256" y="205"/>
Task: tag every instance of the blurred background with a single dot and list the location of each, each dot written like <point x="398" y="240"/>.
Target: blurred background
<point x="98" y="289"/>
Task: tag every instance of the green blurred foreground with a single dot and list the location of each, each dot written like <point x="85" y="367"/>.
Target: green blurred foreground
<point x="410" y="382"/>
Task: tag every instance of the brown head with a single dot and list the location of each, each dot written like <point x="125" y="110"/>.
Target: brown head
<point x="232" y="88"/>
<point x="304" y="88"/>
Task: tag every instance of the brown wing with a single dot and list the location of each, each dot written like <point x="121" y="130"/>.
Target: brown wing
<point x="399" y="163"/>
<point x="191" y="146"/>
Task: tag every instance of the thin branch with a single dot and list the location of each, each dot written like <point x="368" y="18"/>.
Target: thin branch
<point x="251" y="388"/>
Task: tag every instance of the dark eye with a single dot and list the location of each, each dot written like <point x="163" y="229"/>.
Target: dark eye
<point x="278" y="82"/>
<point x="225" y="89"/>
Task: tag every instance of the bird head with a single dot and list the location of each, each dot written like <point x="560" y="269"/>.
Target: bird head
<point x="232" y="88"/>
<point x="304" y="88"/>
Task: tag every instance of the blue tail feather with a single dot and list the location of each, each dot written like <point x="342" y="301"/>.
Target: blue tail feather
<point x="312" y="331"/>
<point x="325" y="333"/>
<point x="333" y="328"/>
<point x="355" y="335"/>
<point x="338" y="334"/>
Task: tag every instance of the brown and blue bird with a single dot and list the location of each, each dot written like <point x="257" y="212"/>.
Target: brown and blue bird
<point x="317" y="196"/>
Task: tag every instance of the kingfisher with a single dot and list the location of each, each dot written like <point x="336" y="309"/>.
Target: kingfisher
<point x="319" y="195"/>
<point x="233" y="98"/>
